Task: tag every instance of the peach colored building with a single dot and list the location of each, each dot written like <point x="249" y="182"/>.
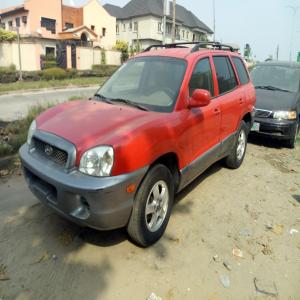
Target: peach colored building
<point x="51" y="21"/>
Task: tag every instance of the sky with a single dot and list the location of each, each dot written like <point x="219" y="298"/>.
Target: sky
<point x="264" y="24"/>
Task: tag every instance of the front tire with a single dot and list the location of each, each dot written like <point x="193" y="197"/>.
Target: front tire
<point x="236" y="157"/>
<point x="152" y="207"/>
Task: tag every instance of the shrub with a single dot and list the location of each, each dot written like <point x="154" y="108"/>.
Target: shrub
<point x="103" y="57"/>
<point x="104" y="70"/>
<point x="54" y="73"/>
<point x="7" y="36"/>
<point x="7" y="76"/>
<point x="49" y="64"/>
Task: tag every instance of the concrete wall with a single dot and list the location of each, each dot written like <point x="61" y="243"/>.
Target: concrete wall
<point x="95" y="15"/>
<point x="86" y="57"/>
<point x="31" y="52"/>
<point x="30" y="55"/>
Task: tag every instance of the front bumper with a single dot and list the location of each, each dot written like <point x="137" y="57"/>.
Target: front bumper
<point x="100" y="203"/>
<point x="279" y="129"/>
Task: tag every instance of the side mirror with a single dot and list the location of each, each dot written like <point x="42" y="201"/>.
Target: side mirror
<point x="200" y="98"/>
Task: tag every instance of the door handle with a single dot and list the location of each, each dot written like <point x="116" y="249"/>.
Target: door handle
<point x="241" y="100"/>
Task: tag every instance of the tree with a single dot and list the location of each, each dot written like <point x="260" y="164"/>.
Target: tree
<point x="123" y="47"/>
<point x="247" y="52"/>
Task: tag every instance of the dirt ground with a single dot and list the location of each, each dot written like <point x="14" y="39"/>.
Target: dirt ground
<point x="233" y="234"/>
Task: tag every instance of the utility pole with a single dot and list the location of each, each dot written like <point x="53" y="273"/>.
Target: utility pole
<point x="166" y="9"/>
<point x="214" y="18"/>
<point x="295" y="10"/>
<point x="19" y="51"/>
<point x="174" y="22"/>
<point x="277" y="53"/>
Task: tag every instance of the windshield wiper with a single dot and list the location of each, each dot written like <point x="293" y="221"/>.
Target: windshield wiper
<point x="131" y="103"/>
<point x="104" y="99"/>
<point x="271" y="88"/>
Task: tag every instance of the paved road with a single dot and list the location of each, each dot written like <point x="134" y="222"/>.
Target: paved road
<point x="14" y="106"/>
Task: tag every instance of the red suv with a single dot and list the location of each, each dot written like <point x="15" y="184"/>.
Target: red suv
<point x="119" y="158"/>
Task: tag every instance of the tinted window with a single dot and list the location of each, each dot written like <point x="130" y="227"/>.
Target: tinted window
<point x="225" y="74"/>
<point x="202" y="77"/>
<point x="240" y="67"/>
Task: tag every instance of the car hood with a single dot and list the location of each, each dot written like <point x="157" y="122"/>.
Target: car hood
<point x="91" y="123"/>
<point x="275" y="100"/>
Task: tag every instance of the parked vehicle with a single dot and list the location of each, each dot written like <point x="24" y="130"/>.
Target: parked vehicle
<point x="162" y="119"/>
<point x="278" y="100"/>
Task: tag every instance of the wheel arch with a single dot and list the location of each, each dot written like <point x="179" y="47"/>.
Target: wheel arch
<point x="171" y="161"/>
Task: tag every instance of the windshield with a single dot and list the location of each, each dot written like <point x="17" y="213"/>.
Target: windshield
<point x="280" y="77"/>
<point x="152" y="82"/>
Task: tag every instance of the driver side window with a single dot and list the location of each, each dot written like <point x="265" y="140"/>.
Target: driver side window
<point x="202" y="77"/>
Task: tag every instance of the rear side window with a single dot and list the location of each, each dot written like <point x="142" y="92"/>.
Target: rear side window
<point x="225" y="74"/>
<point x="240" y="67"/>
<point x="202" y="77"/>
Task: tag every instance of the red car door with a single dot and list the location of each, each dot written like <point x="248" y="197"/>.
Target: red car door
<point x="230" y="97"/>
<point x="202" y="130"/>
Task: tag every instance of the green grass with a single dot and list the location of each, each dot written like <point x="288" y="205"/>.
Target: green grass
<point x="33" y="85"/>
<point x="17" y="131"/>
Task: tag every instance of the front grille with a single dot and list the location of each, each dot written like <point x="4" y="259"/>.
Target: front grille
<point x="260" y="113"/>
<point x="51" y="152"/>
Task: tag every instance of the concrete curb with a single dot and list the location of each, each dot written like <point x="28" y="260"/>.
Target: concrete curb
<point x="69" y="87"/>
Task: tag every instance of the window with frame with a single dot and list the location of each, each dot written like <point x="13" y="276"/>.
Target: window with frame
<point x="93" y="27"/>
<point x="124" y="27"/>
<point x="2" y="25"/>
<point x="169" y="28"/>
<point x="159" y="27"/>
<point x="183" y="34"/>
<point x="18" y="23"/>
<point x="69" y="25"/>
<point x="49" y="24"/>
<point x="135" y="26"/>
<point x="225" y="74"/>
<point x="117" y="29"/>
<point x="103" y="31"/>
<point x="50" y="52"/>
<point x="241" y="70"/>
<point x="24" y="19"/>
<point x="130" y="26"/>
<point x="10" y="24"/>
<point x="202" y="77"/>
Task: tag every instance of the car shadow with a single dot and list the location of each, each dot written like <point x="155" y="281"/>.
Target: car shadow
<point x="185" y="208"/>
<point x="265" y="141"/>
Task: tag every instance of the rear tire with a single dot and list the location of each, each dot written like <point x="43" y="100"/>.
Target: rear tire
<point x="152" y="207"/>
<point x="236" y="157"/>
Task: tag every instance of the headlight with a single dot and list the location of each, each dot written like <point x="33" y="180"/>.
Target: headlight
<point x="31" y="131"/>
<point x="97" y="161"/>
<point x="285" y="115"/>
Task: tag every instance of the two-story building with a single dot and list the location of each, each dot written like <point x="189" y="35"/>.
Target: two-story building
<point x="46" y="26"/>
<point x="141" y="21"/>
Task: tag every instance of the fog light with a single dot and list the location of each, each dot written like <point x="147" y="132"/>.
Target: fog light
<point x="82" y="211"/>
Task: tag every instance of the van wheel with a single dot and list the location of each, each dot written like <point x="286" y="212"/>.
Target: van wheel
<point x="152" y="207"/>
<point x="291" y="143"/>
<point x="236" y="157"/>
